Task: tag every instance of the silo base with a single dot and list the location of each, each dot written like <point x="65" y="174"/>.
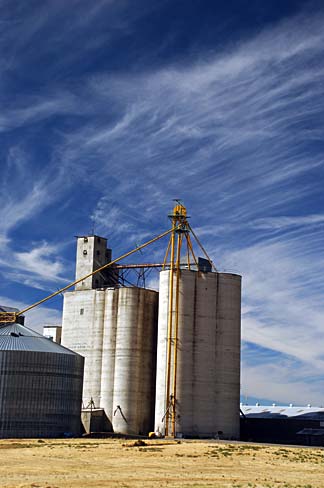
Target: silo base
<point x="95" y="420"/>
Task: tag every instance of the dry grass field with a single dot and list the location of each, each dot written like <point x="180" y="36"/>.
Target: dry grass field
<point x="156" y="463"/>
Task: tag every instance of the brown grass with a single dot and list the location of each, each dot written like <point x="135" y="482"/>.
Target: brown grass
<point x="156" y="463"/>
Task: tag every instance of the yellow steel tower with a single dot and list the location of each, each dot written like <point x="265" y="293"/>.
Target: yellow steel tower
<point x="180" y="234"/>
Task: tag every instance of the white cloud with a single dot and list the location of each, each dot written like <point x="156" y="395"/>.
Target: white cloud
<point x="34" y="264"/>
<point x="283" y="222"/>
<point x="237" y="126"/>
<point x="41" y="261"/>
<point x="39" y="267"/>
<point x="37" y="110"/>
<point x="285" y="382"/>
<point x="284" y="313"/>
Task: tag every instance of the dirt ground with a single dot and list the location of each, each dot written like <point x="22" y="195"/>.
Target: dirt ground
<point x="157" y="463"/>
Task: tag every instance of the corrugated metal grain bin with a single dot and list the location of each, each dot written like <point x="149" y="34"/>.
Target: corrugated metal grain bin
<point x="40" y="385"/>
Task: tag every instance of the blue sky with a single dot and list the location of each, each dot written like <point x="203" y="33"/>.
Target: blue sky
<point x="110" y="109"/>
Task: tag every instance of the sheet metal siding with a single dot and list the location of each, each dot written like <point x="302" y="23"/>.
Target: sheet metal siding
<point x="281" y="430"/>
<point x="40" y="394"/>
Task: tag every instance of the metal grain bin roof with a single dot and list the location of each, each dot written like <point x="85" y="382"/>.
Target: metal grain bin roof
<point x="17" y="337"/>
<point x="278" y="411"/>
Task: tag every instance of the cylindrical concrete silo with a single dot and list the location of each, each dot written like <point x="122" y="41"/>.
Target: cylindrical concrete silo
<point x="204" y="351"/>
<point x="161" y="402"/>
<point x="200" y="358"/>
<point x="82" y="331"/>
<point x="108" y="353"/>
<point x="228" y="346"/>
<point x="135" y="353"/>
<point x="185" y="364"/>
<point x="40" y="385"/>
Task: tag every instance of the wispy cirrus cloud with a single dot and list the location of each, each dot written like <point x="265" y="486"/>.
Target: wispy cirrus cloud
<point x="53" y="34"/>
<point x="282" y="222"/>
<point x="283" y="314"/>
<point x="241" y="125"/>
<point x="245" y="127"/>
<point x="41" y="261"/>
<point x="36" y="109"/>
<point x="40" y="267"/>
<point x="24" y="197"/>
<point x="237" y="133"/>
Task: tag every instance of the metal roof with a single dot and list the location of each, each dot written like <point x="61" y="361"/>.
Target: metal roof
<point x="17" y="337"/>
<point x="8" y="309"/>
<point x="280" y="412"/>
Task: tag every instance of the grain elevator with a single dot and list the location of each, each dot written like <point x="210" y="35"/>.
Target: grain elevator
<point x="167" y="360"/>
<point x="115" y="329"/>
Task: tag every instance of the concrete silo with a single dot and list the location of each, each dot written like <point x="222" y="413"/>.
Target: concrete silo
<point x="228" y="346"/>
<point x="114" y="328"/>
<point x="108" y="354"/>
<point x="116" y="334"/>
<point x="135" y="353"/>
<point x="82" y="331"/>
<point x="40" y="385"/>
<point x="208" y="355"/>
